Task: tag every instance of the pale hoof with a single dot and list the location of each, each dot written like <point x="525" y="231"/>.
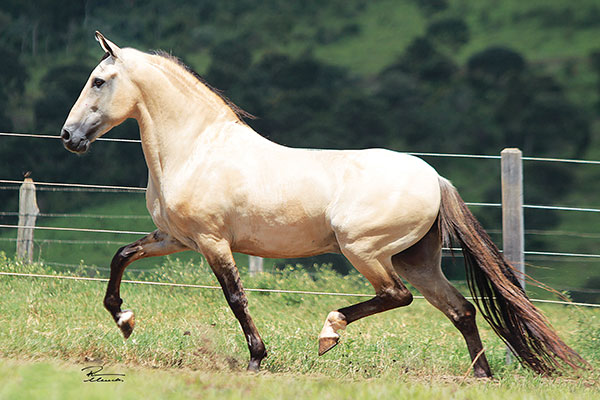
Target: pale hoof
<point x="126" y="322"/>
<point x="327" y="343"/>
<point x="328" y="338"/>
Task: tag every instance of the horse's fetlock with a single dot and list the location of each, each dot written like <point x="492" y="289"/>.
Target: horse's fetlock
<point x="257" y="350"/>
<point x="112" y="303"/>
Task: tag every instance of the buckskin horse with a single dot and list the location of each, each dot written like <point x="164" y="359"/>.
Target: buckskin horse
<point x="216" y="187"/>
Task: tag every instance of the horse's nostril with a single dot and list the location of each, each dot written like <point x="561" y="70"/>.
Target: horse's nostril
<point x="65" y="135"/>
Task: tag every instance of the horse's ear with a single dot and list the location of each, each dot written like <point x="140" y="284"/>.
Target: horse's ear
<point x="108" y="46"/>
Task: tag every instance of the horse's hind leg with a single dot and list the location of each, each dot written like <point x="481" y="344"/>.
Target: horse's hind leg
<point x="390" y="293"/>
<point x="421" y="266"/>
<point x="155" y="244"/>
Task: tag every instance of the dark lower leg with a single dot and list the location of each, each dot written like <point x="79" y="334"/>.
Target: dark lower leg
<point x="229" y="279"/>
<point x="112" y="299"/>
<point x="421" y="266"/>
<point x="386" y="299"/>
<point x="467" y="326"/>
<point x="462" y="314"/>
<point x="154" y="244"/>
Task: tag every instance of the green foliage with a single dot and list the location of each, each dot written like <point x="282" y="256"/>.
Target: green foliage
<point x="12" y="80"/>
<point x="450" y="32"/>
<point x="433" y="76"/>
<point x="422" y="60"/>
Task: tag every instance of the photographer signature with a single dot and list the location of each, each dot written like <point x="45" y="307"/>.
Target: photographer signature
<point x="93" y="375"/>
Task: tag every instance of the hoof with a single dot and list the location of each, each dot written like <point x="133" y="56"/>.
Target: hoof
<point x="482" y="374"/>
<point x="328" y="338"/>
<point x="253" y="366"/>
<point x="327" y="343"/>
<point x="126" y="322"/>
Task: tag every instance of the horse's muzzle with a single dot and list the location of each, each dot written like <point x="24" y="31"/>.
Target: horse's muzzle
<point x="74" y="142"/>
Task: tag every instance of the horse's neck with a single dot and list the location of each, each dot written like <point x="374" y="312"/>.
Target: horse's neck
<point x="175" y="113"/>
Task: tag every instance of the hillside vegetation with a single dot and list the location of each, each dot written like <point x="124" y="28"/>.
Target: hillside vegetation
<point x="460" y="76"/>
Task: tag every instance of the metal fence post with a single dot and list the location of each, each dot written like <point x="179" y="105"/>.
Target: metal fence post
<point x="28" y="212"/>
<point x="512" y="215"/>
<point x="255" y="265"/>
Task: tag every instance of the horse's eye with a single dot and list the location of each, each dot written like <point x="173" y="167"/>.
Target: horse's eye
<point x="97" y="82"/>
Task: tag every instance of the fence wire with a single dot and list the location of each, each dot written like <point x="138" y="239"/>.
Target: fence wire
<point x="52" y="228"/>
<point x="78" y="185"/>
<point x="35" y="136"/>
<point x="58" y="186"/>
<point x="260" y="290"/>
<point x="419" y="154"/>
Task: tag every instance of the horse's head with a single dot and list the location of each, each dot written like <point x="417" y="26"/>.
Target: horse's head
<point x="107" y="99"/>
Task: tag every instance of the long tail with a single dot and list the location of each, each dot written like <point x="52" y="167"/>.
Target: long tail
<point x="497" y="292"/>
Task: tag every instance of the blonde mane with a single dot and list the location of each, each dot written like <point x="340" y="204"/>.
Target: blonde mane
<point x="173" y="61"/>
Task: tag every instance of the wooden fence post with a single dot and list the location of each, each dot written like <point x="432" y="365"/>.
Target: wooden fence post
<point x="512" y="210"/>
<point x="512" y="215"/>
<point x="28" y="212"/>
<point x="255" y="265"/>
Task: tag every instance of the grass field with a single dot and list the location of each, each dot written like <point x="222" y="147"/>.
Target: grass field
<point x="187" y="343"/>
<point x="60" y="380"/>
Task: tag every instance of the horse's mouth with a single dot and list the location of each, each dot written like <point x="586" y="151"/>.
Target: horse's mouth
<point x="75" y="143"/>
<point x="80" y="148"/>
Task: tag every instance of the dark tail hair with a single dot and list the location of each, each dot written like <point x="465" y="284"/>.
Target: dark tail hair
<point x="497" y="292"/>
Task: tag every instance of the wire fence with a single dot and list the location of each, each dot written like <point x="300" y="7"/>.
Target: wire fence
<point x="259" y="290"/>
<point x="65" y="186"/>
<point x="37" y="136"/>
<point x="7" y="184"/>
<point x="122" y="232"/>
<point x="128" y="189"/>
<point x="420" y="154"/>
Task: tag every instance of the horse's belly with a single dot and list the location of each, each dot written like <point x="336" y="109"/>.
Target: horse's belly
<point x="284" y="240"/>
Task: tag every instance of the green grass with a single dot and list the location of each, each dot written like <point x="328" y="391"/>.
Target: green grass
<point x="52" y="379"/>
<point x="387" y="27"/>
<point x="187" y="342"/>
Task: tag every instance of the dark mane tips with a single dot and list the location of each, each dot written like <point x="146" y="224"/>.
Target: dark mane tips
<point x="239" y="112"/>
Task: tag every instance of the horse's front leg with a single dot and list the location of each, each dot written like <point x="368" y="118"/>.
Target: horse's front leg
<point x="155" y="244"/>
<point x="223" y="265"/>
